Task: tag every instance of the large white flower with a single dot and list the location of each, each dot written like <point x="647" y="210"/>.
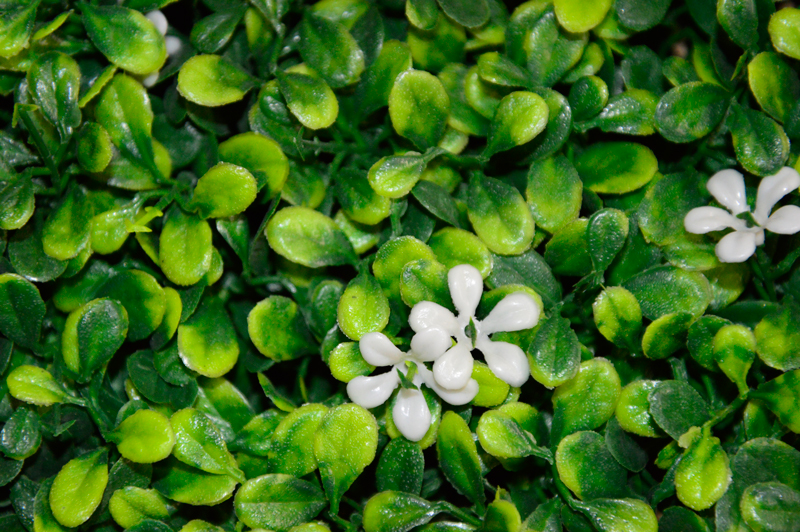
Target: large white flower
<point x="410" y="413"/>
<point x="173" y="44"/>
<point x="728" y="189"/>
<point x="514" y="312"/>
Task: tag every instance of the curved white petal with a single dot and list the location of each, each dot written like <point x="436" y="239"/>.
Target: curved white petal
<point x="507" y="361"/>
<point x="514" y="312"/>
<point x="430" y="344"/>
<point x="378" y="350"/>
<point x="159" y="21"/>
<point x="736" y="247"/>
<point x="173" y="43"/>
<point x="704" y="219"/>
<point x="411" y="414"/>
<point x="453" y="369"/>
<point x="370" y="392"/>
<point x="772" y="189"/>
<point x="428" y="315"/>
<point x="466" y="288"/>
<point x="454" y="397"/>
<point x="727" y="187"/>
<point x="785" y="221"/>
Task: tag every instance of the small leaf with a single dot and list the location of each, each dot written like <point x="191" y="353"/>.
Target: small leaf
<point x="212" y="81"/>
<point x="519" y="118"/>
<point x="224" y="191"/>
<point x="309" y="99"/>
<point x="309" y="238"/>
<point x="78" y="488"/>
<point x="328" y="48"/>
<point x="277" y="502"/>
<point x="418" y="108"/>
<point x="21" y="310"/>
<point x="184" y="247"/>
<point x="198" y="443"/>
<point x="616" y="167"/>
<point x="458" y="458"/>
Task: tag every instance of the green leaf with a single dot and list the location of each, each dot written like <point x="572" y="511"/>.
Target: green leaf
<point x="207" y="341"/>
<point x="422" y="14"/>
<point x="605" y="235"/>
<point x="760" y="144"/>
<point x="554" y="192"/>
<point x="292" y="449"/>
<point x="363" y="307"/>
<point x="418" y="108"/>
<point x="21" y="310"/>
<point x="224" y="191"/>
<point x="425" y="280"/>
<point x="528" y="269"/>
<point x="734" y="351"/>
<point x="458" y="458"/>
<point x="618" y="317"/>
<point x="124" y="111"/>
<point x="144" y="437"/>
<point x="462" y="115"/>
<point x="16" y="27"/>
<point x="704" y="471"/>
<point x="182" y="483"/>
<point x="376" y="83"/>
<point x="630" y="113"/>
<point x="78" y="488"/>
<point x="774" y="84"/>
<point x="456" y="246"/>
<point x="616" y="167"/>
<point x="576" y="16"/>
<point x="587" y="467"/>
<point x="587" y="97"/>
<point x="664" y="290"/>
<point x="401" y="467"/>
<point x="778" y="339"/>
<point x="184" y="247"/>
<point x="395" y="175"/>
<point x="36" y="386"/>
<point x="780" y="395"/>
<point x="278" y="330"/>
<point x="739" y="19"/>
<point x="394" y="511"/>
<point x="92" y="334"/>
<point x="691" y="111"/>
<point x="665" y="335"/>
<point x="43" y="519"/>
<point x="499" y="215"/>
<point x="277" y="502"/>
<point x="131" y="506"/>
<point x="502" y="437"/>
<point x="261" y="156"/>
<point x="211" y="33"/>
<point x="143" y="299"/>
<point x="358" y="200"/>
<point x="66" y="231"/>
<point x="125" y="37"/>
<point x="641" y="15"/>
<point x="676" y="407"/>
<point x="309" y="238"/>
<point x="54" y="82"/>
<point x="309" y="99"/>
<point x="211" y="81"/>
<point x="618" y="515"/>
<point x="21" y="435"/>
<point x="500" y="70"/>
<point x="16" y="201"/>
<point x="437" y="201"/>
<point x="27" y="256"/>
<point x="587" y="401"/>
<point x="680" y="519"/>
<point x="148" y="383"/>
<point x="198" y="443"/>
<point x="344" y="445"/>
<point x="469" y="14"/>
<point x="95" y="149"/>
<point x="771" y="506"/>
<point x="624" y="448"/>
<point x="328" y="48"/>
<point x="783" y="31"/>
<point x="519" y="118"/>
<point x="554" y="354"/>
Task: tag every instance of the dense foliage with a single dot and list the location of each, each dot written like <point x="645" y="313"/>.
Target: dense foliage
<point x="203" y="212"/>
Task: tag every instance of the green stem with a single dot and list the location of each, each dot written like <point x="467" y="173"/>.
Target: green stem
<point x="785" y="265"/>
<point x="455" y="511"/>
<point x="728" y="410"/>
<point x="40" y="145"/>
<point x="562" y="489"/>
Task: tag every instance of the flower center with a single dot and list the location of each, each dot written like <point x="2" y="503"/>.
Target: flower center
<point x="747" y="216"/>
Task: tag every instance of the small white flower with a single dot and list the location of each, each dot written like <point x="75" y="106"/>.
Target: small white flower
<point x="515" y="312"/>
<point x="173" y="44"/>
<point x="410" y="413"/>
<point x="727" y="187"/>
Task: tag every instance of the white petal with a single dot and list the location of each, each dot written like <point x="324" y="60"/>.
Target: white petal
<point x="704" y="219"/>
<point x="454" y="397"/>
<point x="159" y="21"/>
<point x="727" y="187"/>
<point x="173" y="43"/>
<point x="772" y="189"/>
<point x="514" y="312"/>
<point x="785" y="221"/>
<point x="150" y="80"/>
<point x="411" y="414"/>
<point x="430" y="344"/>
<point x="466" y="288"/>
<point x="507" y="361"/>
<point x="736" y="247"/>
<point x="454" y="369"/>
<point x="370" y="392"/>
<point x="378" y="350"/>
<point x="428" y="315"/>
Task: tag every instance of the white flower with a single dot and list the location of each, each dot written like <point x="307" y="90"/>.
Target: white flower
<point x="727" y="187"/>
<point x="410" y="413"/>
<point x="515" y="312"/>
<point x="173" y="44"/>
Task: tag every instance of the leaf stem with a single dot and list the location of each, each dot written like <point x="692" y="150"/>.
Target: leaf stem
<point x="455" y="511"/>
